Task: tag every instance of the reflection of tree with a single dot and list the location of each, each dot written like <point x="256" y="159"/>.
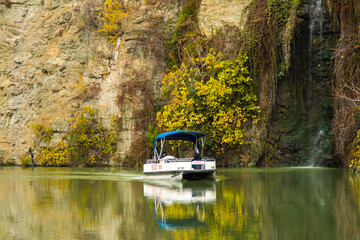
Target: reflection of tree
<point x="179" y="215"/>
<point x="347" y="214"/>
<point x="257" y="204"/>
<point x="68" y="204"/>
<point x="226" y="219"/>
<point x="281" y="204"/>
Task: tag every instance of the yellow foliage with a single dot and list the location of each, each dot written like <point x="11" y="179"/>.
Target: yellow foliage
<point x="56" y="156"/>
<point x="354" y="162"/>
<point x="213" y="96"/>
<point x="81" y="84"/>
<point x="25" y="160"/>
<point x="87" y="143"/>
<point x="113" y="13"/>
<point x="42" y="131"/>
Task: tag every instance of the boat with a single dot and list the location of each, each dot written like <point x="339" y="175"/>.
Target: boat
<point x="169" y="167"/>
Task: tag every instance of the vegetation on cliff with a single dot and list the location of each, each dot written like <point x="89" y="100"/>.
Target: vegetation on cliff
<point x="268" y="41"/>
<point x="205" y="90"/>
<point x="186" y="40"/>
<point x="219" y="91"/>
<point x="87" y="143"/>
<point x="210" y="95"/>
<point x="265" y="40"/>
<point x="346" y="125"/>
<point x="269" y="31"/>
<point x="111" y="17"/>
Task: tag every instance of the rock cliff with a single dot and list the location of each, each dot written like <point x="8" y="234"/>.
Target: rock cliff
<point x="53" y="62"/>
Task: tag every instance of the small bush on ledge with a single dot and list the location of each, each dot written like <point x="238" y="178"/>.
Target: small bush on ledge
<point x="26" y="160"/>
<point x="87" y="143"/>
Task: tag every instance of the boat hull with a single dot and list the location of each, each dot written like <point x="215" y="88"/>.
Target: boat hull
<point x="180" y="169"/>
<point x="201" y="174"/>
<point x="179" y="175"/>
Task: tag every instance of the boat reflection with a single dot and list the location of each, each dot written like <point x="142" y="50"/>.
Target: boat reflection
<point x="180" y="204"/>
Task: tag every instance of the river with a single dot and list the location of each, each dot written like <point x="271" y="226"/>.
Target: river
<point x="277" y="203"/>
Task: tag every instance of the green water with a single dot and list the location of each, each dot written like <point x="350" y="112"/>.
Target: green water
<point x="288" y="203"/>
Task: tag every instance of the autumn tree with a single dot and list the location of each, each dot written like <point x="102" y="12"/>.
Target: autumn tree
<point x="114" y="11"/>
<point x="210" y="95"/>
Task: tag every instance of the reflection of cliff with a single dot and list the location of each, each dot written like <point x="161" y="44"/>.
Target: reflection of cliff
<point x="180" y="204"/>
<point x="248" y="204"/>
<point x="64" y="204"/>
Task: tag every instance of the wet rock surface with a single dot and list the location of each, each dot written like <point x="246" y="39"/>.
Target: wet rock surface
<point x="301" y="131"/>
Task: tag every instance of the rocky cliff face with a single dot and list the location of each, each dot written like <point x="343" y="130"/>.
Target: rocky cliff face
<point x="53" y="62"/>
<point x="215" y="14"/>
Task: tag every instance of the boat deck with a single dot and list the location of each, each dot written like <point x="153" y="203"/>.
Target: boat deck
<point x="172" y="160"/>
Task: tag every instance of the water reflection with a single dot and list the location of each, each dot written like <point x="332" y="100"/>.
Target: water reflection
<point x="116" y="204"/>
<point x="70" y="204"/>
<point x="296" y="204"/>
<point x="180" y="204"/>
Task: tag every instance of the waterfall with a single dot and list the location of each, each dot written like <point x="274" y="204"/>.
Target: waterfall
<point x="316" y="28"/>
<point x="302" y="126"/>
<point x="320" y="130"/>
<point x="316" y="18"/>
<point x="317" y="150"/>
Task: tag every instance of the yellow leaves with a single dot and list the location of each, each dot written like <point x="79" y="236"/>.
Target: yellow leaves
<point x="87" y="143"/>
<point x="354" y="162"/>
<point x="217" y="97"/>
<point x="25" y="160"/>
<point x="113" y="13"/>
<point x="81" y="84"/>
<point x="43" y="131"/>
<point x="56" y="156"/>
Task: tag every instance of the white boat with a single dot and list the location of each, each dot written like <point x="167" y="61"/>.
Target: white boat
<point x="166" y="167"/>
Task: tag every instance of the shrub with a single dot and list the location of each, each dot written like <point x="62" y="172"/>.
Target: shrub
<point x="44" y="132"/>
<point x="88" y="143"/>
<point x="113" y="13"/>
<point x="26" y="160"/>
<point x="354" y="162"/>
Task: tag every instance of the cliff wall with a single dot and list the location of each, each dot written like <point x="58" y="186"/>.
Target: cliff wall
<point x="53" y="62"/>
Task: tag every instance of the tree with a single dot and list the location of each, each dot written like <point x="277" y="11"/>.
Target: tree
<point x="113" y="13"/>
<point x="210" y="95"/>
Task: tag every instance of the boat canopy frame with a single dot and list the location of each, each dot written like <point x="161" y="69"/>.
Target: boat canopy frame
<point x="184" y="135"/>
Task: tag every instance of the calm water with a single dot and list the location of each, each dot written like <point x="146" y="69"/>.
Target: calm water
<point x="288" y="203"/>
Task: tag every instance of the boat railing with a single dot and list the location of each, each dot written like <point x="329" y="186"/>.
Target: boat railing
<point x="172" y="160"/>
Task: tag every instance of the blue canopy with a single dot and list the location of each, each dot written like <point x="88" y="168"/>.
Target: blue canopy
<point x="179" y="135"/>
